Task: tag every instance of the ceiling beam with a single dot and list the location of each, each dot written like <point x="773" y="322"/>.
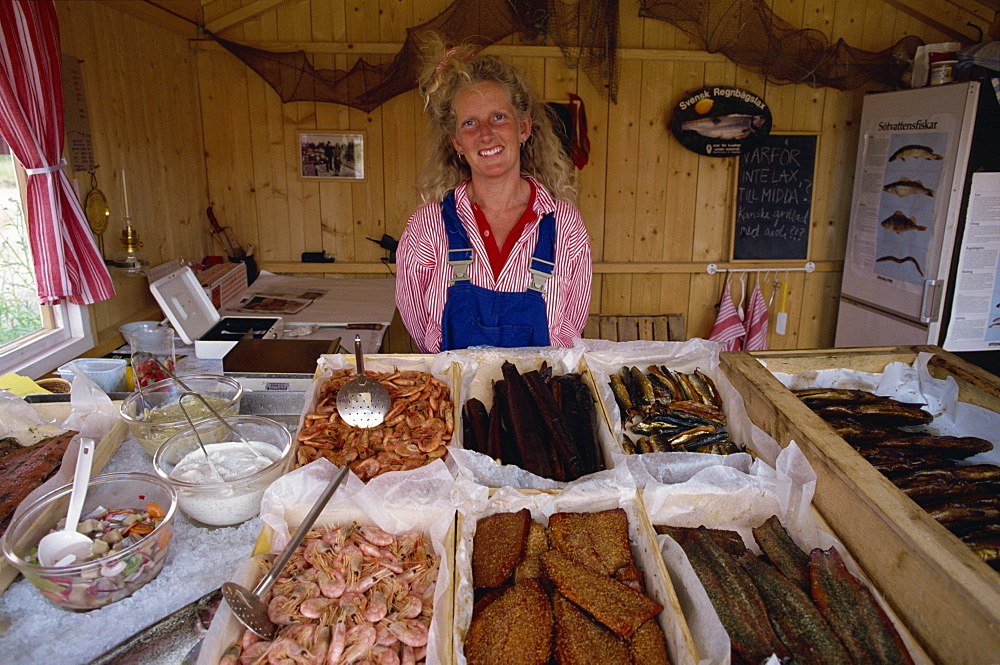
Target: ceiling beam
<point x="503" y="50"/>
<point x="241" y="15"/>
<point x="951" y="17"/>
<point x="150" y="12"/>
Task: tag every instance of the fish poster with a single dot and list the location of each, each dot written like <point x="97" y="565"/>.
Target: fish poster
<point x="974" y="324"/>
<point x="720" y="121"/>
<point x="908" y="203"/>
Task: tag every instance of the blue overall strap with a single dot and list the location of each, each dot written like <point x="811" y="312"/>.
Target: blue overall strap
<point x="543" y="260"/>
<point x="459" y="247"/>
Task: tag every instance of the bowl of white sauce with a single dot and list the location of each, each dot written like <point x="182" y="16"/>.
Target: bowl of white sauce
<point x="226" y="487"/>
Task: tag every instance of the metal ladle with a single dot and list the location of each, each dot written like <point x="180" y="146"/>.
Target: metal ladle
<point x="363" y="402"/>
<point x="246" y="604"/>
<point x="218" y="416"/>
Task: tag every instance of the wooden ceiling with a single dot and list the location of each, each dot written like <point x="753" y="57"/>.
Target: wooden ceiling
<point x="960" y="18"/>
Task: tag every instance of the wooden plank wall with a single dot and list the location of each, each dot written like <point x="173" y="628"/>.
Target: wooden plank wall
<point x="657" y="213"/>
<point x="198" y="128"/>
<point x="140" y="89"/>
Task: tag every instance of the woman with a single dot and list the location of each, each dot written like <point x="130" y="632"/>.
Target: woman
<point x="497" y="255"/>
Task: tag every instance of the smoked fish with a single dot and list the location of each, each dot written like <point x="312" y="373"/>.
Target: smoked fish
<point x="735" y="598"/>
<point x="775" y="542"/>
<point x="796" y="621"/>
<point x="852" y="611"/>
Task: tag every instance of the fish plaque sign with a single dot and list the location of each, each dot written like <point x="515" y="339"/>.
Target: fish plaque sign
<point x="720" y="121"/>
<point x="774" y="198"/>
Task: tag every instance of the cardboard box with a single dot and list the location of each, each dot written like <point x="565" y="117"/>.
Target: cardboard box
<point x="223" y="282"/>
<point x="197" y="321"/>
<point x="947" y="596"/>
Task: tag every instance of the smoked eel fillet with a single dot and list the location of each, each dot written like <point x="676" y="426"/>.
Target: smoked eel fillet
<point x="562" y="442"/>
<point x="498" y="546"/>
<point x="775" y="541"/>
<point x="878" y="413"/>
<point x="735" y="598"/>
<point x="515" y="629"/>
<point x="619" y="607"/>
<point x="526" y="426"/>
<point x="582" y="641"/>
<point x="596" y="540"/>
<point x="730" y="541"/>
<point x="795" y="619"/>
<point x="852" y="611"/>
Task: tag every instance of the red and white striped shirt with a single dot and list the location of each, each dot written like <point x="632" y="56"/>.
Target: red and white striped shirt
<point x="423" y="271"/>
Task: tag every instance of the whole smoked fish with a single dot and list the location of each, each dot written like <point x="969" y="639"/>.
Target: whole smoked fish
<point x="852" y="611"/>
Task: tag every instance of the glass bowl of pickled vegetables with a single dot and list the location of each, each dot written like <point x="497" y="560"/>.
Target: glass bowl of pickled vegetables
<point x="129" y="516"/>
<point x="157" y="412"/>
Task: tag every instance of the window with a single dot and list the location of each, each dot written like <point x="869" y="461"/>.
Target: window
<point x="34" y="340"/>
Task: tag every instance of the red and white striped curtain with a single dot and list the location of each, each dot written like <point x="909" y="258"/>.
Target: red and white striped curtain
<point x="67" y="262"/>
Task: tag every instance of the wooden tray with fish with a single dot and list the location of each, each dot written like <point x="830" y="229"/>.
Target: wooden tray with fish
<point x="420" y="423"/>
<point x="945" y="593"/>
<point x="31" y="467"/>
<point x="589" y="545"/>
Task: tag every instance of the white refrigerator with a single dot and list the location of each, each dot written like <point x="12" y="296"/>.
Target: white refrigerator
<point x="921" y="263"/>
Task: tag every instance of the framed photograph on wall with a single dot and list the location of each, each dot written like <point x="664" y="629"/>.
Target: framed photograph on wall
<point x="332" y="155"/>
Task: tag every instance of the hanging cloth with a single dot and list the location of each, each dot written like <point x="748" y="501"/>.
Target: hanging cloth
<point x="67" y="263"/>
<point x="728" y="329"/>
<point x="756" y="321"/>
<point x="580" y="145"/>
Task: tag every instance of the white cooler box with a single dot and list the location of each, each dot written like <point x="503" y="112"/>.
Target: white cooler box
<point x="184" y="301"/>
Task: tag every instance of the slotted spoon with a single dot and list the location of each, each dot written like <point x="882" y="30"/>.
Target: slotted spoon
<point x="363" y="401"/>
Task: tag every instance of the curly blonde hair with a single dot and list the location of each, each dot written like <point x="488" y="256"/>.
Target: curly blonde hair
<point x="445" y="72"/>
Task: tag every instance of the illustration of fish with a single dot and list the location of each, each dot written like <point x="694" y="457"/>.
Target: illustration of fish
<point x="914" y="151"/>
<point x="907" y="187"/>
<point x="898" y="223"/>
<point x="905" y="259"/>
<point x="728" y="127"/>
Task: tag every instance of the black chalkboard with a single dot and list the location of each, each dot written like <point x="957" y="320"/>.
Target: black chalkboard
<point x="774" y="198"/>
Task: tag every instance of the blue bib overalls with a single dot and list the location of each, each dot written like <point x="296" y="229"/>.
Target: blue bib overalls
<point x="476" y="316"/>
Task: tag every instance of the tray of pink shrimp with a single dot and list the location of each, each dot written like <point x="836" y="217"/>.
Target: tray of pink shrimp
<point x="353" y="591"/>
<point x="418" y="428"/>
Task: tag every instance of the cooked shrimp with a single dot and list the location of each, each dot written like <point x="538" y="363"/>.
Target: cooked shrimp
<point x="409" y="631"/>
<point x="360" y="640"/>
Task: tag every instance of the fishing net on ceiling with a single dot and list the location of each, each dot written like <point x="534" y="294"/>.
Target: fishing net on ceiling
<point x="752" y="36"/>
<point x="586" y="31"/>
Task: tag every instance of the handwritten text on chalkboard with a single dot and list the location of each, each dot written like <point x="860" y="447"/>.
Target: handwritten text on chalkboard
<point x="774" y="197"/>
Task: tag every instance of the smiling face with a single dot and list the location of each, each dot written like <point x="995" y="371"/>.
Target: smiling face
<point x="488" y="132"/>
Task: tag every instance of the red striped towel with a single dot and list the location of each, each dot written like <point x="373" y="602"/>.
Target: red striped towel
<point x="728" y="329"/>
<point x="756" y="322"/>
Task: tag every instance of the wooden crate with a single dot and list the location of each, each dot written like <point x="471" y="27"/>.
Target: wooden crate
<point x="632" y="327"/>
<point x="947" y="596"/>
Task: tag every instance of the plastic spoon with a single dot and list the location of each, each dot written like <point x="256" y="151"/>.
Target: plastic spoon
<point x="64" y="547"/>
<point x="246" y="604"/>
<point x="362" y="402"/>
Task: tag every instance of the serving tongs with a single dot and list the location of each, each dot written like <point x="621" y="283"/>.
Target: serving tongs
<point x="247" y="605"/>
